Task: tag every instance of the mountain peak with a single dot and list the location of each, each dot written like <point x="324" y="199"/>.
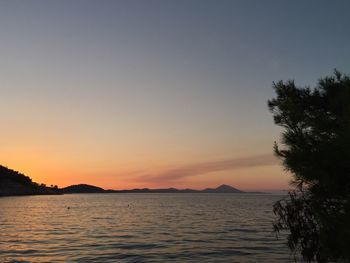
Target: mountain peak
<point x="224" y="188"/>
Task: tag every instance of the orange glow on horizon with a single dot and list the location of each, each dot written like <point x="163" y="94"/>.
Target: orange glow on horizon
<point x="47" y="161"/>
<point x="253" y="178"/>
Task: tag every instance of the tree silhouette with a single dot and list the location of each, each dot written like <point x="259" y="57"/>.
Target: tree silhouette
<point x="15" y="183"/>
<point x="316" y="150"/>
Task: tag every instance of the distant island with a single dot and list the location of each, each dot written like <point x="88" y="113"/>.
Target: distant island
<point x="15" y="183"/>
<point x="85" y="188"/>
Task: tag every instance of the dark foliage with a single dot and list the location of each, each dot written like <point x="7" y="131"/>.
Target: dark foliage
<point x="316" y="150"/>
<point x="6" y="173"/>
<point x="16" y="183"/>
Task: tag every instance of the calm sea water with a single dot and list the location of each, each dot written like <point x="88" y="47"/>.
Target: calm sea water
<point x="140" y="228"/>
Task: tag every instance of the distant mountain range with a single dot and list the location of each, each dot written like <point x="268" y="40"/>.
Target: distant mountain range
<point x="15" y="183"/>
<point x="85" y="188"/>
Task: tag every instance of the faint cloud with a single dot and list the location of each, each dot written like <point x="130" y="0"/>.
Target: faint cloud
<point x="212" y="166"/>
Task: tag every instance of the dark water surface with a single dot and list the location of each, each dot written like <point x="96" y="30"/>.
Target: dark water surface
<point x="140" y="228"/>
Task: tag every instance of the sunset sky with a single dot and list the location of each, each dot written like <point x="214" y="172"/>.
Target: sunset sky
<point x="126" y="94"/>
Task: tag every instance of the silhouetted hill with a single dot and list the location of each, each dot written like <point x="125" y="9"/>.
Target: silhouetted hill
<point x="222" y="189"/>
<point x="15" y="183"/>
<point x="82" y="188"/>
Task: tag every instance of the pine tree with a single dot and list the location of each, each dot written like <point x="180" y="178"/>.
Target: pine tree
<point x="315" y="149"/>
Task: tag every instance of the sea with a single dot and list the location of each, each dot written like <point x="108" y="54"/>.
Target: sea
<point x="148" y="227"/>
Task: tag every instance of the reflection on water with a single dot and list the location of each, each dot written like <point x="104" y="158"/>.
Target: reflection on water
<point x="139" y="228"/>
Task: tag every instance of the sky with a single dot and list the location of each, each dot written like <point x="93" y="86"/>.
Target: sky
<point x="131" y="94"/>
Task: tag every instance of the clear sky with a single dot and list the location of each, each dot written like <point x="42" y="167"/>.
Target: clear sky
<point x="125" y="94"/>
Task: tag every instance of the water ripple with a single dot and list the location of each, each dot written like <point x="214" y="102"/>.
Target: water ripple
<point x="140" y="228"/>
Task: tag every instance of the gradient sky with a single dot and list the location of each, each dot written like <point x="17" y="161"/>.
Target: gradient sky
<point x="125" y="94"/>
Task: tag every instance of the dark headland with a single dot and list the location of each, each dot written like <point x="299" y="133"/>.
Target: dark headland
<point x="16" y="183"/>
